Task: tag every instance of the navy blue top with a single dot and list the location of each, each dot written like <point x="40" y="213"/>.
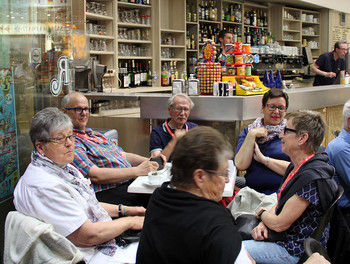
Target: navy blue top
<point x="327" y="63"/>
<point x="258" y="176"/>
<point x="160" y="137"/>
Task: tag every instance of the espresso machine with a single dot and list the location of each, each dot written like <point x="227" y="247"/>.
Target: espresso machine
<point x="88" y="78"/>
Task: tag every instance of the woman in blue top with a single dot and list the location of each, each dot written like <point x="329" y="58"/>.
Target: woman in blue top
<point x="259" y="148"/>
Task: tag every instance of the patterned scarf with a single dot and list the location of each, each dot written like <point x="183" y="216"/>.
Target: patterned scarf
<point x="272" y="131"/>
<point x="72" y="177"/>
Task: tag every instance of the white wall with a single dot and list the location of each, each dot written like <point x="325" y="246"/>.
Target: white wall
<point x="339" y="5"/>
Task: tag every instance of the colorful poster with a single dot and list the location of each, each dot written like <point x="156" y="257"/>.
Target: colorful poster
<point x="9" y="167"/>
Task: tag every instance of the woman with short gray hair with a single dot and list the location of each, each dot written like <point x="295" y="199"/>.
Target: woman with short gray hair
<point x="54" y="191"/>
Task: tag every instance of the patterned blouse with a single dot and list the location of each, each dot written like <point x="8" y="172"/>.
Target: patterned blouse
<point x="306" y="224"/>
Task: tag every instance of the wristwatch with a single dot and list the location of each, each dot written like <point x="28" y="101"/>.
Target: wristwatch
<point x="260" y="213"/>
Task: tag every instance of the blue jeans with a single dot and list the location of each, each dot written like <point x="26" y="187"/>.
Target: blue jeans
<point x="269" y="253"/>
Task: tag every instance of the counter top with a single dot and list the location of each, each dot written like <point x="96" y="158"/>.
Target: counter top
<point x="233" y="108"/>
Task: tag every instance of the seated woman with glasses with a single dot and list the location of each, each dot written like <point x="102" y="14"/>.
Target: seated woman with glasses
<point x="259" y="148"/>
<point x="306" y="193"/>
<point x="55" y="192"/>
<point x="184" y="222"/>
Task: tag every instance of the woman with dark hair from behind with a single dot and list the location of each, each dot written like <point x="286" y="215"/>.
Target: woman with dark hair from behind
<point x="184" y="222"/>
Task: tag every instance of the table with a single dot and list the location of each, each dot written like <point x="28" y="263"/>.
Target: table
<point x="138" y="187"/>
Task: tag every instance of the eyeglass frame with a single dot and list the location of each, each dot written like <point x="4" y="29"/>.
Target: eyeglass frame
<point x="276" y="107"/>
<point x="219" y="173"/>
<point x="58" y="139"/>
<point x="79" y="110"/>
<point x="285" y="129"/>
<point x="180" y="109"/>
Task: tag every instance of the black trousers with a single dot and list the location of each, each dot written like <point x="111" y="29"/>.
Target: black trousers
<point x="120" y="195"/>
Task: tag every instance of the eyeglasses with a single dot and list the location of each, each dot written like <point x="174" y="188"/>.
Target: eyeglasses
<point x="288" y="129"/>
<point x="222" y="174"/>
<point x="180" y="109"/>
<point x="60" y="140"/>
<point x="272" y="107"/>
<point x="343" y="49"/>
<point x="79" y="110"/>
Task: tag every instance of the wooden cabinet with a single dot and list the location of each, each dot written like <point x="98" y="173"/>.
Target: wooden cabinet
<point x="310" y="31"/>
<point x="297" y="28"/>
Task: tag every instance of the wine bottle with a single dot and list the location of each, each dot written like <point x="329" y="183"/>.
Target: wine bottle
<point x="149" y="75"/>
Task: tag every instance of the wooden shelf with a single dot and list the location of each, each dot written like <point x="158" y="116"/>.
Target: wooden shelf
<point x="94" y="36"/>
<point x="131" y="41"/>
<point x="133" y="25"/>
<point x="93" y="16"/>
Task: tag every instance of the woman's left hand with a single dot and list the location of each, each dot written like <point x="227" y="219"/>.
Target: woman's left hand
<point x="134" y="211"/>
<point x="260" y="232"/>
<point x="258" y="156"/>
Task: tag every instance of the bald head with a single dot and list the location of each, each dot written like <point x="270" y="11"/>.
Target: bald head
<point x="76" y="106"/>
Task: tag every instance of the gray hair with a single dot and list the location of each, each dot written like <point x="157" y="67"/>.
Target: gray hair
<point x="48" y="121"/>
<point x="67" y="97"/>
<point x="171" y="99"/>
<point x="311" y="122"/>
<point x="201" y="148"/>
<point x="346" y="114"/>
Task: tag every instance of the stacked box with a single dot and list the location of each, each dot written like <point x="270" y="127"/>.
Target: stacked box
<point x="208" y="73"/>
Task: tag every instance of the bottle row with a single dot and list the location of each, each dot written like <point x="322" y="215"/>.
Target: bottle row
<point x="135" y="74"/>
<point x="207" y="10"/>
<point x="171" y="73"/>
<point x="256" y="18"/>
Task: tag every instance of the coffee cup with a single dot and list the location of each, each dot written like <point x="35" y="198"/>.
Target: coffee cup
<point x="154" y="178"/>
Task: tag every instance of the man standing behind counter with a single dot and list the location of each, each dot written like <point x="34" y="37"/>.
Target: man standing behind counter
<point x="328" y="66"/>
<point x="164" y="137"/>
<point x="100" y="159"/>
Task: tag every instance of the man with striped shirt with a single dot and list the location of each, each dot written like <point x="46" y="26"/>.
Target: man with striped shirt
<point x="110" y="169"/>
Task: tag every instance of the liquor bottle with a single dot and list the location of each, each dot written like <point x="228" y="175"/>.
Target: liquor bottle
<point x="137" y="74"/>
<point x="131" y="74"/>
<point x="188" y="13"/>
<point x="203" y="10"/>
<point x="200" y="11"/>
<point x="165" y="75"/>
<point x="188" y="40"/>
<point x="238" y="14"/>
<point x="206" y="11"/>
<point x="232" y="16"/>
<point x="239" y="35"/>
<point x="171" y="73"/>
<point x="194" y="13"/>
<point x="223" y="12"/>
<point x="144" y="75"/>
<point x="193" y="43"/>
<point x="149" y="75"/>
<point x="235" y="37"/>
<point x="265" y="19"/>
<point x="176" y="71"/>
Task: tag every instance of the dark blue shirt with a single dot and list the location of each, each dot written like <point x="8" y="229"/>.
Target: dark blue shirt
<point x="258" y="176"/>
<point x="160" y="137"/>
<point x="327" y="63"/>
